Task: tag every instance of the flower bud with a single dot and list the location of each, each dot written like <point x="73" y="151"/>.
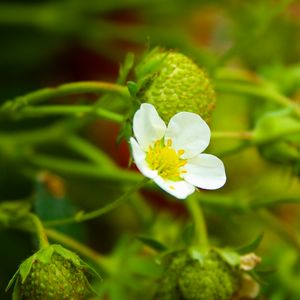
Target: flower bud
<point x="51" y="273"/>
<point x="277" y="135"/>
<point x="173" y="83"/>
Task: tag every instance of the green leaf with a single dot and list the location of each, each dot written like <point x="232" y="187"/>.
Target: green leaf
<point x="50" y="207"/>
<point x="250" y="247"/>
<point x="152" y="243"/>
<point x="25" y="267"/>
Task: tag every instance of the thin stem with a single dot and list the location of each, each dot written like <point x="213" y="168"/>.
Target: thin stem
<point x="75" y="168"/>
<point x="243" y="135"/>
<point x="200" y="238"/>
<point x="81" y="217"/>
<point x="263" y="92"/>
<point x="40" y="230"/>
<point x="61" y="91"/>
<point x="80" y="248"/>
<point x="80" y="110"/>
<point x="89" y="151"/>
<point x="36" y="136"/>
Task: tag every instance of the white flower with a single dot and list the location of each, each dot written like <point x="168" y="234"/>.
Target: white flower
<point x="170" y="156"/>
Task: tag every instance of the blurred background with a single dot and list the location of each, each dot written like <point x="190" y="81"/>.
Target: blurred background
<point x="47" y="43"/>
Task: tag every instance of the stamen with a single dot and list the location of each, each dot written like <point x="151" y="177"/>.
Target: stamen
<point x="180" y="152"/>
<point x="166" y="160"/>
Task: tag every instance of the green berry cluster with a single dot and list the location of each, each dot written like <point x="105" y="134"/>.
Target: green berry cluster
<point x="174" y="83"/>
<point x="186" y="278"/>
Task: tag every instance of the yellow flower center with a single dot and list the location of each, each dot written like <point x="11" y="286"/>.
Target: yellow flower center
<point x="163" y="158"/>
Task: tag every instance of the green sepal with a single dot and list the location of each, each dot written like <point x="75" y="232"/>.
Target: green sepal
<point x="10" y="283"/>
<point x="251" y="246"/>
<point x="44" y="255"/>
<point x="125" y="68"/>
<point x="125" y="131"/>
<point x="148" y="66"/>
<point x="196" y="254"/>
<point x="91" y="270"/>
<point x="229" y="256"/>
<point x="25" y="267"/>
<point x="16" y="295"/>
<point x="152" y="243"/>
<point x="67" y="254"/>
<point x="132" y="88"/>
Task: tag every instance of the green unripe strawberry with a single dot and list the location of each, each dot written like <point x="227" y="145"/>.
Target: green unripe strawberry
<point x="57" y="279"/>
<point x="173" y="83"/>
<point x="277" y="136"/>
<point x="51" y="273"/>
<point x="213" y="280"/>
<point x="187" y="278"/>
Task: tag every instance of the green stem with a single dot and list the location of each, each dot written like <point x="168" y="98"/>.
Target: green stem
<point x="75" y="168"/>
<point x="80" y="110"/>
<point x="80" y="248"/>
<point x="263" y="92"/>
<point x="89" y="151"/>
<point x="200" y="238"/>
<point x="81" y="217"/>
<point x="40" y="230"/>
<point x="61" y="91"/>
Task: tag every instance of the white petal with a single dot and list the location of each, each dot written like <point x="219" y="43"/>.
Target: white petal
<point x="205" y="171"/>
<point x="139" y="158"/>
<point x="148" y="127"/>
<point x="178" y="189"/>
<point x="188" y="131"/>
